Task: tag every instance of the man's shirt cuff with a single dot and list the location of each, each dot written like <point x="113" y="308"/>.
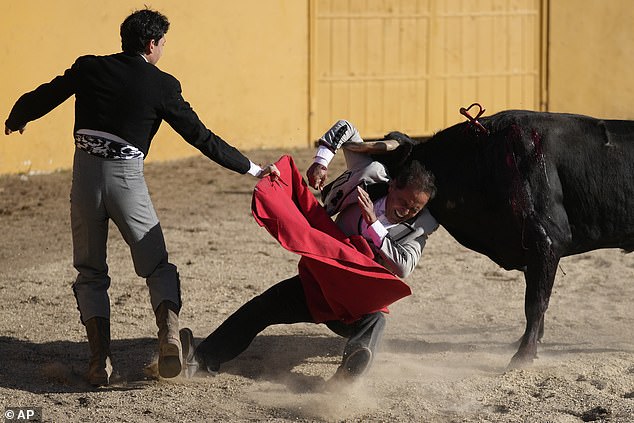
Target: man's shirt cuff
<point x="323" y="156"/>
<point x="376" y="232"/>
<point x="254" y="169"/>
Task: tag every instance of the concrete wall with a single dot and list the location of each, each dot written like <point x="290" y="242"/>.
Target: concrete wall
<point x="591" y="57"/>
<point x="242" y="65"/>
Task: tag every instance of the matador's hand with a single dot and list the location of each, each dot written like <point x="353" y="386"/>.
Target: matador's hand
<point x="317" y="175"/>
<point x="271" y="171"/>
<point x="366" y="205"/>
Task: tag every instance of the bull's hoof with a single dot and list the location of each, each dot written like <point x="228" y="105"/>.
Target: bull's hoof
<point x="520" y="361"/>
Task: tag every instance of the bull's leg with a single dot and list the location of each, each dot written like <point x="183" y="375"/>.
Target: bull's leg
<point x="540" y="333"/>
<point x="540" y="275"/>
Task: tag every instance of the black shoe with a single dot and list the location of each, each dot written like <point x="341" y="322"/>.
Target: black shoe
<point x="190" y="364"/>
<point x="355" y="363"/>
<point x="206" y="363"/>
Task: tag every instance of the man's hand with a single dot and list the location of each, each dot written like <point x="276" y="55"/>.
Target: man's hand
<point x="366" y="205"/>
<point x="317" y="175"/>
<point x="8" y="131"/>
<point x="270" y="170"/>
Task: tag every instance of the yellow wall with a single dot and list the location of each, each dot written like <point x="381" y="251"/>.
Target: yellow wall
<point x="242" y="65"/>
<point x="411" y="64"/>
<point x="591" y="58"/>
<point x="250" y="70"/>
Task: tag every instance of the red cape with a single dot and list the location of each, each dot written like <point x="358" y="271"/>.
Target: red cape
<point x="340" y="278"/>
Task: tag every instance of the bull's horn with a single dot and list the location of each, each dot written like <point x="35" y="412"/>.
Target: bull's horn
<point x="372" y="147"/>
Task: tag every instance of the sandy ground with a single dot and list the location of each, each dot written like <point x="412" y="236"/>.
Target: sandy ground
<point x="443" y="357"/>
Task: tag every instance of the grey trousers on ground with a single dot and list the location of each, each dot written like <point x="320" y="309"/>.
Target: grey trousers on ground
<point x="104" y="189"/>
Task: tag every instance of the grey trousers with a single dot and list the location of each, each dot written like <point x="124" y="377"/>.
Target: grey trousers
<point x="104" y="189"/>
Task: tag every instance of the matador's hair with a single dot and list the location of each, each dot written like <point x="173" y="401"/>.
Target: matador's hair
<point x="413" y="174"/>
<point x="141" y="27"/>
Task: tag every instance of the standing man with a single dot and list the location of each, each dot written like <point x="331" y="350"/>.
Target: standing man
<point x="389" y="213"/>
<point x="120" y="101"/>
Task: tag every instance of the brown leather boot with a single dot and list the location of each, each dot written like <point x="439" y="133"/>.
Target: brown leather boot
<point x="100" y="366"/>
<point x="170" y="362"/>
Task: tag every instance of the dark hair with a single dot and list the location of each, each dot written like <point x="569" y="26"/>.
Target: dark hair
<point x="141" y="27"/>
<point x="413" y="174"/>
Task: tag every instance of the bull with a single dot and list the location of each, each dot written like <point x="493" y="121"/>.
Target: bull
<point x="528" y="188"/>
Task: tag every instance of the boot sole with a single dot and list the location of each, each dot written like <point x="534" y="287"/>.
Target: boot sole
<point x="358" y="362"/>
<point x="99" y="380"/>
<point x="190" y="365"/>
<point x="170" y="362"/>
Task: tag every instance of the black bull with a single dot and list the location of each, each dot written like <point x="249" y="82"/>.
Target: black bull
<point x="539" y="187"/>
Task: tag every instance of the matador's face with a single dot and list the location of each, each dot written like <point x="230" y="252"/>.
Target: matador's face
<point x="404" y="203"/>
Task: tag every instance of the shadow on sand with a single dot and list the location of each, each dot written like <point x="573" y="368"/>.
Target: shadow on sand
<point x="58" y="367"/>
